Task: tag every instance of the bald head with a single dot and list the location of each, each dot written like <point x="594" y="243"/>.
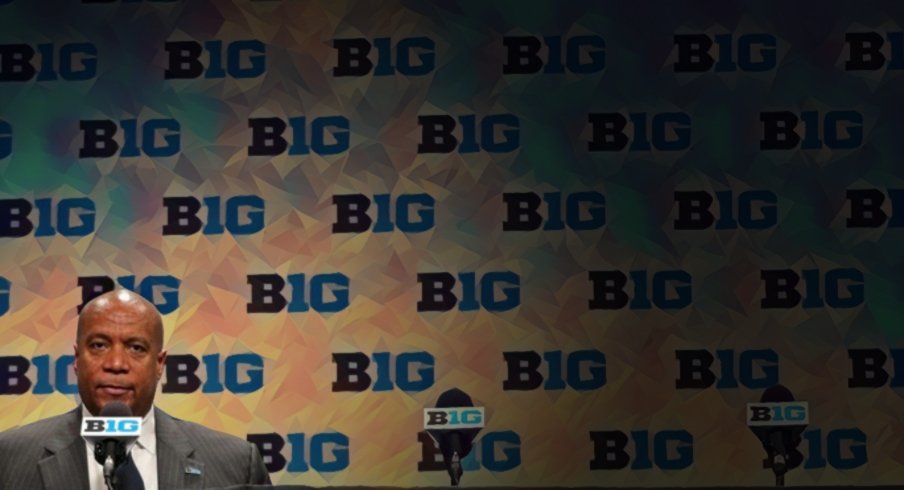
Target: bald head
<point x="121" y="306"/>
<point x="119" y="352"/>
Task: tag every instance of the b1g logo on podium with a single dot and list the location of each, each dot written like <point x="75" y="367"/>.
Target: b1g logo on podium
<point x="777" y="414"/>
<point x="353" y="58"/>
<point x="412" y="371"/>
<point x="701" y="52"/>
<point x="454" y="418"/>
<point x="161" y="291"/>
<point x="810" y="130"/>
<point x="754" y="369"/>
<point x="870" y="51"/>
<point x="668" y="450"/>
<point x="326" y="135"/>
<point x="243" y="59"/>
<point x="667" y="131"/>
<point x="99" y="142"/>
<point x="352" y="216"/>
<point x="498" y="133"/>
<point x="323" y="293"/>
<point x="6" y="139"/>
<point x="114" y="426"/>
<point x="868" y="368"/>
<point x="495" y="451"/>
<point x="73" y="62"/>
<point x="866" y="208"/>
<point x="577" y="54"/>
<point x="671" y="290"/>
<point x="324" y="453"/>
<point x="821" y="289"/>
<point x="243" y="215"/>
<point x="437" y="291"/>
<point x="562" y="369"/>
<point x="73" y="216"/>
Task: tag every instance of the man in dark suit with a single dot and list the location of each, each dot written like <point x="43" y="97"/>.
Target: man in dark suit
<point x="119" y="357"/>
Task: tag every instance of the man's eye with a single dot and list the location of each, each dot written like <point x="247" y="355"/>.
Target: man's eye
<point x="96" y="345"/>
<point x="137" y="348"/>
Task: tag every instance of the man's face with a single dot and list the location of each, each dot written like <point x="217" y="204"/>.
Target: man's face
<point x="117" y="356"/>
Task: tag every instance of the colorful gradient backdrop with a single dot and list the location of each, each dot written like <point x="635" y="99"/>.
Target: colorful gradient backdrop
<point x="641" y="368"/>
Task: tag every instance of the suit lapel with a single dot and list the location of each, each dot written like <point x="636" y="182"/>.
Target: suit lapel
<point x="66" y="456"/>
<point x="175" y="466"/>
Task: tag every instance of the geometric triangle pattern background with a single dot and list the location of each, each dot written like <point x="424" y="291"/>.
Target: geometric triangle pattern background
<point x="613" y="226"/>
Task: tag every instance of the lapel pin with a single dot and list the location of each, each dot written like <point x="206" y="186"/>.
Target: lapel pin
<point x="191" y="470"/>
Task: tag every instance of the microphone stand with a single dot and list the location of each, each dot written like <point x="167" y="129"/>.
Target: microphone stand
<point x="108" y="472"/>
<point x="455" y="470"/>
<point x="779" y="460"/>
<point x="110" y="450"/>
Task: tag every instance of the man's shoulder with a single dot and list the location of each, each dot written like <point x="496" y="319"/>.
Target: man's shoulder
<point x="204" y="436"/>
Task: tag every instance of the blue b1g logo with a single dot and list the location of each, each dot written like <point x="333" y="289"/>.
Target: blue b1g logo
<point x="812" y="288"/>
<point x="476" y="134"/>
<point x="244" y="59"/>
<point x="523" y="54"/>
<point x="409" y="371"/>
<point x="324" y="135"/>
<point x="353" y="60"/>
<point x="70" y="62"/>
<point x="239" y="215"/>
<point x="137" y="138"/>
<point x="865" y="51"/>
<point x="811" y="130"/>
<point x="639" y="131"/>
<point x="453" y="418"/>
<point x="772" y="414"/>
<point x="6" y="139"/>
<point x="755" y="52"/>
<point x="67" y="216"/>
<point x="321" y="452"/>
<point x="666" y="450"/>
<point x="111" y="425"/>
<point x="5" y="287"/>
<point x="497" y="451"/>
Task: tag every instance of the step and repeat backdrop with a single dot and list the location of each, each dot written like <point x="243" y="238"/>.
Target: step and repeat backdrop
<point x="612" y="224"/>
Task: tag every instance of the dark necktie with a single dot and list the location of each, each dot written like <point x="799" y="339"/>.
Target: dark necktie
<point x="127" y="476"/>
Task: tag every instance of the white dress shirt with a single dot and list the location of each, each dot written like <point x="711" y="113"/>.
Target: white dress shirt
<point x="144" y="454"/>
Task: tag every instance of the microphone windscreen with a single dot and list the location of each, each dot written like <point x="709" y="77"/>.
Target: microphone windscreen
<point x="454" y="398"/>
<point x="777" y="394"/>
<point x="116" y="409"/>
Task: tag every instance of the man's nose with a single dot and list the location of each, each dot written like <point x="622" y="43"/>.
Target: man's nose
<point x="116" y="360"/>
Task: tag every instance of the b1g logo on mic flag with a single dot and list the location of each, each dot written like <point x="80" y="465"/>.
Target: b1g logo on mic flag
<point x="454" y="418"/>
<point x="773" y="414"/>
<point x="118" y="426"/>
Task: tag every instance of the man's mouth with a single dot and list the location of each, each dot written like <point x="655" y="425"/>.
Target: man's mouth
<point x="114" y="390"/>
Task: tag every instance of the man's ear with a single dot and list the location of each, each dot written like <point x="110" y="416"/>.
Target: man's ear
<point x="75" y="364"/>
<point x="161" y="361"/>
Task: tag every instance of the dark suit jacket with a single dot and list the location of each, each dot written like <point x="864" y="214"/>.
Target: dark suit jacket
<point x="51" y="455"/>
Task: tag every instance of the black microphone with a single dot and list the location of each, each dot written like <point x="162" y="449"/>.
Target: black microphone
<point x="778" y="422"/>
<point x="110" y="432"/>
<point x="454" y="424"/>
